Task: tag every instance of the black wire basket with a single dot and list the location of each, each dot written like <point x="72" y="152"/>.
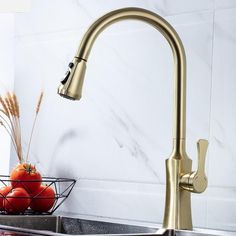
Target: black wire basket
<point x="62" y="188"/>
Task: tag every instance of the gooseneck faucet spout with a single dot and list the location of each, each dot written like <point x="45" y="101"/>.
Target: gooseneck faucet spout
<point x="180" y="180"/>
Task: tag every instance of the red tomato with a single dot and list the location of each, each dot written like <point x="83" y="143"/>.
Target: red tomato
<point x="26" y="176"/>
<point x="17" y="201"/>
<point x="9" y="233"/>
<point x="3" y="193"/>
<point x="43" y="199"/>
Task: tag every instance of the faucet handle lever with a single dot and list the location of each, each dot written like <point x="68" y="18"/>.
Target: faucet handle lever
<point x="196" y="181"/>
<point x="202" y="146"/>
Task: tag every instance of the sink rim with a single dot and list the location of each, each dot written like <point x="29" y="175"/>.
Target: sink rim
<point x="58" y="219"/>
<point x="160" y="230"/>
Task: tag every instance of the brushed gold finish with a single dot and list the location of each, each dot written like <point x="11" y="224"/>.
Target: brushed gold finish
<point x="72" y="88"/>
<point x="196" y="181"/>
<point x="180" y="180"/>
<point x="172" y="37"/>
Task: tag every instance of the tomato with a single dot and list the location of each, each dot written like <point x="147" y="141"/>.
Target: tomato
<point x="17" y="201"/>
<point x="43" y="199"/>
<point x="26" y="176"/>
<point x="9" y="233"/>
<point x="3" y="193"/>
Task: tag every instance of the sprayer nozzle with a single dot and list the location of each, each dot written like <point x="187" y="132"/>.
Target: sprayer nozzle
<point x="72" y="83"/>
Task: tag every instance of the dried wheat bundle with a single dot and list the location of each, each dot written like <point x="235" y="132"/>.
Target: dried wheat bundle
<point x="10" y="120"/>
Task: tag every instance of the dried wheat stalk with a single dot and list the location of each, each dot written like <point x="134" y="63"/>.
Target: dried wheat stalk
<point x="35" y="118"/>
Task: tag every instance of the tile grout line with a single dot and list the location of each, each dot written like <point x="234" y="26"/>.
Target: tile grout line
<point x="210" y="112"/>
<point x="121" y="181"/>
<point x="144" y="183"/>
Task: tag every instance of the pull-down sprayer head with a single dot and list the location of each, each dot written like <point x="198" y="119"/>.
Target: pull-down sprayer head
<point x="71" y="85"/>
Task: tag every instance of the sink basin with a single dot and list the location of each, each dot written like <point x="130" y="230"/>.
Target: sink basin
<point x="52" y="225"/>
<point x="73" y="226"/>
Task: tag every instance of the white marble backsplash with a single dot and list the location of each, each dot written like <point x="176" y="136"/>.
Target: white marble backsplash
<point x="7" y="27"/>
<point x="116" y="139"/>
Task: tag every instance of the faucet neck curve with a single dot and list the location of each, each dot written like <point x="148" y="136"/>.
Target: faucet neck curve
<point x="179" y="126"/>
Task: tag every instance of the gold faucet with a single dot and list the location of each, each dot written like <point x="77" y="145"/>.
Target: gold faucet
<point x="180" y="179"/>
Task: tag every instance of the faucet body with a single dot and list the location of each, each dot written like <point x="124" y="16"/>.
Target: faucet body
<point x="180" y="179"/>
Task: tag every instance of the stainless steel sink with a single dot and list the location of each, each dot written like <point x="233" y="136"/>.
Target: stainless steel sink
<point x="60" y="225"/>
<point x="73" y="226"/>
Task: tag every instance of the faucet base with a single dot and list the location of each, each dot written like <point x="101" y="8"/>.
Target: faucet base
<point x="178" y="201"/>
